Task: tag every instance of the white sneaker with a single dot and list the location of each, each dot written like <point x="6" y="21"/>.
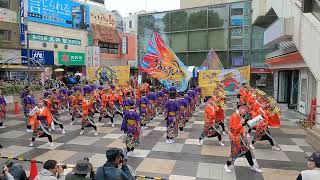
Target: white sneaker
<point x="51" y="144"/>
<point x="29" y="130"/>
<point x="96" y="133"/>
<point x="255" y="169"/>
<point x="248" y="135"/>
<point x="227" y="169"/>
<point x="81" y="132"/>
<point x="172" y="141"/>
<point x="71" y="123"/>
<point x="276" y="148"/>
<point x="252" y="147"/>
<point x="112" y="125"/>
<point x="31" y="144"/>
<point x="200" y="143"/>
<point x="221" y="143"/>
<point x="63" y="131"/>
<point x="2" y="127"/>
<point x="168" y="141"/>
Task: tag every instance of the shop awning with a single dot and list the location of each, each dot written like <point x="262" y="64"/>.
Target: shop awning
<point x="294" y="57"/>
<point x="105" y="34"/>
<point x="261" y="70"/>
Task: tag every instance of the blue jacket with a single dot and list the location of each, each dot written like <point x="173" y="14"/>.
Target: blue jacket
<point x="111" y="172"/>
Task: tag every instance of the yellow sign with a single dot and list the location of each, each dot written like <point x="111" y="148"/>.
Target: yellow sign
<point x="103" y="18"/>
<point x="116" y="74"/>
<point x="231" y="79"/>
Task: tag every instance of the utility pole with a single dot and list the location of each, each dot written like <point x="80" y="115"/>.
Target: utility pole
<point x="28" y="57"/>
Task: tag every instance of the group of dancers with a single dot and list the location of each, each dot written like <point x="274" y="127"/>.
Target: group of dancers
<point x="138" y="106"/>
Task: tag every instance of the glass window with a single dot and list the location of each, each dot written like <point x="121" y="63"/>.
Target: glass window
<point x="223" y="56"/>
<point x="179" y="42"/>
<point x="218" y="39"/>
<point x="108" y="48"/>
<point x="5" y="35"/>
<point x="179" y="20"/>
<point x="236" y="14"/>
<point x="218" y="16"/>
<point x="161" y="22"/>
<point x="240" y="14"/>
<point x="182" y="57"/>
<point x="5" y="3"/>
<point x="197" y="18"/>
<point x="240" y="38"/>
<point x="239" y="58"/>
<point x="196" y="58"/>
<point x="146" y="24"/>
<point x="143" y="41"/>
<point x="198" y="40"/>
<point x="130" y="24"/>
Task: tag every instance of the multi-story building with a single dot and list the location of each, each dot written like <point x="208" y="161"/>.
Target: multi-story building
<point x="58" y="37"/>
<point x="226" y="28"/>
<point x="293" y="27"/>
<point x="197" y="3"/>
<point x="130" y="23"/>
<point x="119" y="21"/>
<point x="9" y="38"/>
<point x="116" y="47"/>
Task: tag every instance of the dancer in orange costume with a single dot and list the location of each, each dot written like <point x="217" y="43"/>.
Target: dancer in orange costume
<point x="239" y="143"/>
<point x="211" y="126"/>
<point x="40" y="121"/>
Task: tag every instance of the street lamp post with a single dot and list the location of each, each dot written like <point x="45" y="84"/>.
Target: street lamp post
<point x="28" y="57"/>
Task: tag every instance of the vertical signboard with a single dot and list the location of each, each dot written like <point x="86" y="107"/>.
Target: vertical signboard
<point x="124" y="45"/>
<point x="22" y="33"/>
<point x="96" y="56"/>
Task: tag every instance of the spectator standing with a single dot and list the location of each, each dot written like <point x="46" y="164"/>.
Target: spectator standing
<point x="314" y="166"/>
<point x="110" y="170"/>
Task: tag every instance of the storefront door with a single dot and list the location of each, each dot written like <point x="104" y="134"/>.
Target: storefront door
<point x="284" y="86"/>
<point x="303" y="91"/>
<point x="293" y="103"/>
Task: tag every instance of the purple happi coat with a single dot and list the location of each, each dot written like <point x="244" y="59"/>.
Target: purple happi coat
<point x="126" y="126"/>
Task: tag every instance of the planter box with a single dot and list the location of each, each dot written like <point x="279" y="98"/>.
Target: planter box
<point x="313" y="137"/>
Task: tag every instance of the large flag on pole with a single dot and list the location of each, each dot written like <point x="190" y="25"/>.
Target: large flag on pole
<point x="213" y="60"/>
<point x="161" y="63"/>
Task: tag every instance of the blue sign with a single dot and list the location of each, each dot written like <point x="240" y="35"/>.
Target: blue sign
<point x="64" y="13"/>
<point x="22" y="33"/>
<point x="41" y="56"/>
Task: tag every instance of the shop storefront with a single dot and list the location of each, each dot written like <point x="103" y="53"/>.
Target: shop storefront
<point x="294" y="84"/>
<point x="72" y="61"/>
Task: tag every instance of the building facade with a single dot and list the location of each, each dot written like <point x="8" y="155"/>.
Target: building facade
<point x="226" y="28"/>
<point x="9" y="37"/>
<point x="196" y="3"/>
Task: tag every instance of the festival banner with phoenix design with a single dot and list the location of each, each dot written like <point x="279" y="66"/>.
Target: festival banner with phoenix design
<point x="161" y="63"/>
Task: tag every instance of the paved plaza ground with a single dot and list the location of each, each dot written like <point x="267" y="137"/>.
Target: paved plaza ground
<point x="184" y="160"/>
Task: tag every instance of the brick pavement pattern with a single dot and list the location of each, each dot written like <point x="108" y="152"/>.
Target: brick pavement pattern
<point x="184" y="160"/>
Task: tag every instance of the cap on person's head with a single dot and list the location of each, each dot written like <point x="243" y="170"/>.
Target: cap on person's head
<point x="82" y="167"/>
<point x="113" y="153"/>
<point x="315" y="157"/>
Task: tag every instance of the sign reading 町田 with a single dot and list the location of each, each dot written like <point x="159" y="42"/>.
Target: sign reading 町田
<point x="54" y="39"/>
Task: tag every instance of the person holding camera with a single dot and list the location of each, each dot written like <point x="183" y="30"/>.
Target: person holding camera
<point x="81" y="171"/>
<point x="51" y="171"/>
<point x="13" y="171"/>
<point x="314" y="168"/>
<point x="110" y="170"/>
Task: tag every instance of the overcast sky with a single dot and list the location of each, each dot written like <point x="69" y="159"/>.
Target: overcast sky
<point x="129" y="6"/>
